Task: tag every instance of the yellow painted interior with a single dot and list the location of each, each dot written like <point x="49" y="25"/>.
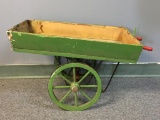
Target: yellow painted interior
<point x="81" y="31"/>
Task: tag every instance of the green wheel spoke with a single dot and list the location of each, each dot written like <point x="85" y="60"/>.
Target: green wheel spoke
<point x="65" y="96"/>
<point x="84" y="77"/>
<point x="76" y="99"/>
<point x="74" y="74"/>
<point x="85" y="95"/>
<point x="64" y="78"/>
<point x="60" y="87"/>
<point x="88" y="86"/>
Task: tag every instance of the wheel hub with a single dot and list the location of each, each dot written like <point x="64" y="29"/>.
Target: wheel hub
<point x="74" y="87"/>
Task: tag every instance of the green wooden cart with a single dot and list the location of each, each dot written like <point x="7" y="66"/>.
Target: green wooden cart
<point x="75" y="84"/>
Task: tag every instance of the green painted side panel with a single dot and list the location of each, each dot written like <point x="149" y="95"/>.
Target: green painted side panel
<point x="72" y="55"/>
<point x="75" y="47"/>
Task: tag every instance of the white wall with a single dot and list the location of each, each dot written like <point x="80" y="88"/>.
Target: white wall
<point x="143" y="14"/>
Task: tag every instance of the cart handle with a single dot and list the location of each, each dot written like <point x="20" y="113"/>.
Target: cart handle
<point x="144" y="47"/>
<point x="147" y="48"/>
<point x="138" y="38"/>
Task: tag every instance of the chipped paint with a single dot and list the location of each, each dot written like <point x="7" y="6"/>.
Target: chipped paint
<point x="9" y="36"/>
<point x="19" y="34"/>
<point x="12" y="48"/>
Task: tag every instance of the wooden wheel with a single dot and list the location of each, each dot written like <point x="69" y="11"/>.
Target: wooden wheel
<point x="74" y="95"/>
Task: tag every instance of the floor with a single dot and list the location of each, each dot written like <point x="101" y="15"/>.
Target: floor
<point x="126" y="99"/>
